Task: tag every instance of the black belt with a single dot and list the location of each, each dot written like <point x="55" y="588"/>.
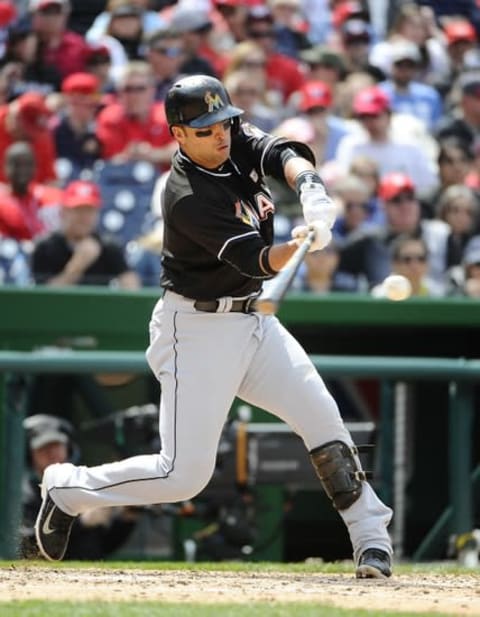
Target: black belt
<point x="238" y="306"/>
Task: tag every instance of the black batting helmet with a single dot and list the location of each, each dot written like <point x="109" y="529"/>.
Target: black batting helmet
<point x="199" y="101"/>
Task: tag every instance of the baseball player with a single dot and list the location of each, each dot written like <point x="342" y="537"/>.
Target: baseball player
<point x="207" y="342"/>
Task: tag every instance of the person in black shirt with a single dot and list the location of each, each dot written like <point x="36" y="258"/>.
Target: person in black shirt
<point x="208" y="343"/>
<point x="77" y="255"/>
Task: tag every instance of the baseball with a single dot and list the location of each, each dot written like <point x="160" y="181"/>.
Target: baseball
<point x="396" y="287"/>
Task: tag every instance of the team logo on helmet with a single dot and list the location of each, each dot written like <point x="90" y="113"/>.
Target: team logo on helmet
<point x="213" y="101"/>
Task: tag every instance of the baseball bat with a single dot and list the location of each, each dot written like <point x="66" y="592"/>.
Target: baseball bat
<point x="269" y="301"/>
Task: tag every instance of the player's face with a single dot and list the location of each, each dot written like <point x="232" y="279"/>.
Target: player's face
<point x="208" y="146"/>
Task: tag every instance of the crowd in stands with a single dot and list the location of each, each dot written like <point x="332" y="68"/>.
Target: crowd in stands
<point x="386" y="93"/>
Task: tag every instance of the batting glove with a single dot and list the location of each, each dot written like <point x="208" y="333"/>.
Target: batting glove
<point x="316" y="204"/>
<point x="323" y="235"/>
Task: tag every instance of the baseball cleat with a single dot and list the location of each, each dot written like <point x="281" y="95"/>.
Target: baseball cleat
<point x="374" y="563"/>
<point x="52" y="527"/>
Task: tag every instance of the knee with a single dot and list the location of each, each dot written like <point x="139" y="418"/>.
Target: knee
<point x="185" y="482"/>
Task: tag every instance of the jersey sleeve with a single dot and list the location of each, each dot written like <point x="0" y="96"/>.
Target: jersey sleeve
<point x="266" y="150"/>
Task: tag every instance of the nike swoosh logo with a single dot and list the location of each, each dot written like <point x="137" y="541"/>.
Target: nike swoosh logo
<point x="46" y="529"/>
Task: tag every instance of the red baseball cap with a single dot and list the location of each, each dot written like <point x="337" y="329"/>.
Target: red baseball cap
<point x="82" y="193"/>
<point x="81" y="83"/>
<point x="7" y="13"/>
<point x="347" y="10"/>
<point x="314" y="94"/>
<point x="459" y="30"/>
<point x="393" y="184"/>
<point x="371" y="101"/>
<point x="32" y="110"/>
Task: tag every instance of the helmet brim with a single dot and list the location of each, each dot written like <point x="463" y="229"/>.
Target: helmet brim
<point x="212" y="118"/>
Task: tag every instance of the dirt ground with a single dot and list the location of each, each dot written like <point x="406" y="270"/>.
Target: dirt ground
<point x="456" y="595"/>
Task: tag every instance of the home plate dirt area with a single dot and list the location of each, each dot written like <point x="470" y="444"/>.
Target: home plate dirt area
<point x="447" y="593"/>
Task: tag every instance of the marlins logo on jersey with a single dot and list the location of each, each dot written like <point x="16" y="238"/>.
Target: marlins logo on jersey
<point x="213" y="101"/>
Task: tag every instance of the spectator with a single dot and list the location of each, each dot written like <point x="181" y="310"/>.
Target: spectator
<point x="195" y="27"/>
<point x="365" y="258"/>
<point x="22" y="62"/>
<point x="407" y="95"/>
<point x="27" y="209"/>
<point x="284" y="74"/>
<point x="50" y="440"/>
<point x="247" y="95"/>
<point x="151" y="21"/>
<point x="59" y="47"/>
<point x="464" y="279"/>
<point x="461" y="37"/>
<point x="125" y="26"/>
<point x="165" y="52"/>
<point x="317" y="273"/>
<point x="134" y="128"/>
<point x="458" y="207"/>
<point x="99" y="63"/>
<point x="414" y="24"/>
<point x="372" y="108"/>
<point x="464" y="122"/>
<point x="409" y="254"/>
<point x="314" y="100"/>
<point x="25" y="119"/>
<point x="75" y="138"/>
<point x="356" y="39"/>
<point x="76" y="254"/>
<point x="249" y="56"/>
<point x="234" y="13"/>
<point x="352" y="197"/>
<point x="455" y="161"/>
<point x="367" y="170"/>
<point x="324" y="64"/>
<point x="290" y="26"/>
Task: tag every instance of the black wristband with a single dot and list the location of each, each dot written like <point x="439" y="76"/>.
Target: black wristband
<point x="306" y="176"/>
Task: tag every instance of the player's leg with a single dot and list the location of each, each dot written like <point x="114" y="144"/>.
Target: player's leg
<point x="199" y="380"/>
<point x="283" y="380"/>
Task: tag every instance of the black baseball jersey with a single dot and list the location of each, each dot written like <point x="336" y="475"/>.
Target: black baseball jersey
<point x="219" y="222"/>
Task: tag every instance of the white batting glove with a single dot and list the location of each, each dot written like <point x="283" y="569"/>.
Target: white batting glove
<point x="316" y="204"/>
<point x="323" y="235"/>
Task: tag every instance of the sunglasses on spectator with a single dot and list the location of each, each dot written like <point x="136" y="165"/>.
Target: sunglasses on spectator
<point x="135" y="88"/>
<point x="170" y="52"/>
<point x="402" y="198"/>
<point x="262" y="34"/>
<point x="226" y="124"/>
<point x="420" y="258"/>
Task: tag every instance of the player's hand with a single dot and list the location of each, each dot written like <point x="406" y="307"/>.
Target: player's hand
<point x="323" y="235"/>
<point x="316" y="204"/>
<point x="87" y="251"/>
